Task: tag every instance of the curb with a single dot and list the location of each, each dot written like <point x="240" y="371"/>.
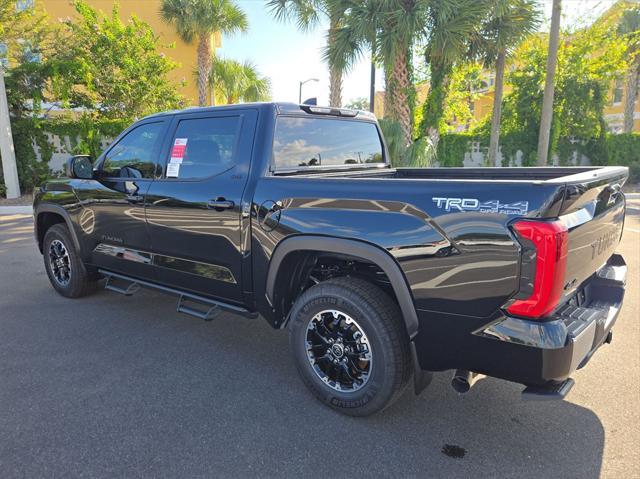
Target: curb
<point x="16" y="210"/>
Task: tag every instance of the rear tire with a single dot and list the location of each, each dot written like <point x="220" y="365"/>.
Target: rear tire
<point x="67" y="273"/>
<point x="331" y="324"/>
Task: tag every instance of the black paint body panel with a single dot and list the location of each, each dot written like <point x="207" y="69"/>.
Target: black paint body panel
<point x="459" y="266"/>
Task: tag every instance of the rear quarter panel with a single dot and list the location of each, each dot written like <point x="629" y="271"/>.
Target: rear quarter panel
<point x="459" y="262"/>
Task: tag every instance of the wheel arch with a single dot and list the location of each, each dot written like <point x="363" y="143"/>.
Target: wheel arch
<point x="353" y="248"/>
<point x="49" y="215"/>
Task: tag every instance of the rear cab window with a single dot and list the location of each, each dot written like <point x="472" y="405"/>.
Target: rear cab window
<point x="310" y="142"/>
<point x="203" y="147"/>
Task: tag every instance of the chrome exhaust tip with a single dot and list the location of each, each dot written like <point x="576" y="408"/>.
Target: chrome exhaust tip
<point x="462" y="380"/>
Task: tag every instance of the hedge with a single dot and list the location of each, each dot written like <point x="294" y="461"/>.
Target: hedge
<point x="621" y="149"/>
<point x="85" y="135"/>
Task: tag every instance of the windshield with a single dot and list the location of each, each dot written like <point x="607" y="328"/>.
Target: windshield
<point x="303" y="142"/>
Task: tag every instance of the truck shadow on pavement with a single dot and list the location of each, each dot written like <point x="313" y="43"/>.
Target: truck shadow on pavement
<point x="125" y="386"/>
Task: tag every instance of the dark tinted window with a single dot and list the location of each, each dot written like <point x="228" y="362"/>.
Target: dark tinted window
<point x="324" y="142"/>
<point x="136" y="154"/>
<point x="203" y="147"/>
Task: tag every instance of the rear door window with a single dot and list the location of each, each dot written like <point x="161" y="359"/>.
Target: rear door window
<point x="310" y="142"/>
<point x="203" y="147"/>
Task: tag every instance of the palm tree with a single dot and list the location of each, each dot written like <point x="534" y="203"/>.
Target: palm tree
<point x="546" y="115"/>
<point x="199" y="20"/>
<point x="359" y="28"/>
<point x="307" y="14"/>
<point x="451" y="28"/>
<point x="629" y="29"/>
<point x="389" y="28"/>
<point x="235" y="82"/>
<point x="510" y="22"/>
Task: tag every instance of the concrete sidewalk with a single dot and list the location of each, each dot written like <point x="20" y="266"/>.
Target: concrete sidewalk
<point x="16" y="210"/>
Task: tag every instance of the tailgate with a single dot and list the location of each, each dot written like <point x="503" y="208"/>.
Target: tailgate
<point x="593" y="212"/>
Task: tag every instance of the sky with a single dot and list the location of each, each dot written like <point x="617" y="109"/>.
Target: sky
<point x="288" y="56"/>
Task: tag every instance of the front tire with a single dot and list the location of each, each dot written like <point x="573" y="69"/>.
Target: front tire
<point x="350" y="346"/>
<point x="65" y="269"/>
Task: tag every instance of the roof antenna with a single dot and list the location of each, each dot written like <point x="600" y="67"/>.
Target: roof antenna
<point x="311" y="101"/>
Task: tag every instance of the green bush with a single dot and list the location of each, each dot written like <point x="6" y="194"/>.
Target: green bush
<point x="623" y="149"/>
<point x="85" y="135"/>
<point x="452" y="148"/>
<point x="634" y="172"/>
<point x="418" y="154"/>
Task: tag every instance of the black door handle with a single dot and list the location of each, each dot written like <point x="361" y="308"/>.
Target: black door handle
<point x="135" y="198"/>
<point x="220" y="204"/>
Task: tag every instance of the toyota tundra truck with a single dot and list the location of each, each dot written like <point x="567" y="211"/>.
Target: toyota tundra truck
<point x="380" y="275"/>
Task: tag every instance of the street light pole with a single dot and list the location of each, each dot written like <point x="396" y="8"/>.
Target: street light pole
<point x="9" y="168"/>
<point x="300" y="88"/>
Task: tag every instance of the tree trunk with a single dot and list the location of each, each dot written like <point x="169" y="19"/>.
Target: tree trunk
<point x="433" y="107"/>
<point x="547" y="98"/>
<point x="335" y="87"/>
<point x="631" y="92"/>
<point x="397" y="94"/>
<point x="372" y="87"/>
<point x="497" y="109"/>
<point x="335" y="74"/>
<point x="204" y="68"/>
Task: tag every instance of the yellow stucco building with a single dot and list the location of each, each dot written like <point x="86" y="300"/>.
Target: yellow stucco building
<point x="149" y="11"/>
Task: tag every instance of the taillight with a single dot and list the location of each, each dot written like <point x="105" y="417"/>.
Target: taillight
<point x="550" y="242"/>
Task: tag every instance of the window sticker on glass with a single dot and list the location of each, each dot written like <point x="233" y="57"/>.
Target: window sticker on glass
<point x="173" y="169"/>
<point x="179" y="147"/>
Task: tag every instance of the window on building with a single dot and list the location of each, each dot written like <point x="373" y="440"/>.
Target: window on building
<point x="30" y="54"/>
<point x="22" y="5"/>
<point x="136" y="154"/>
<point x="618" y="91"/>
<point x="4" y="51"/>
<point x="203" y="147"/>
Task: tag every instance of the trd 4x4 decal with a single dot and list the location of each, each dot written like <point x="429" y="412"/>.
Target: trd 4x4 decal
<point x="473" y="204"/>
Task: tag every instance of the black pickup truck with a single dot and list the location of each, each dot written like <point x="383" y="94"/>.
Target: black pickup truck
<point x="293" y="212"/>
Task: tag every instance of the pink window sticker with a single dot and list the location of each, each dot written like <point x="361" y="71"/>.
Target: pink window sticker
<point x="179" y="147"/>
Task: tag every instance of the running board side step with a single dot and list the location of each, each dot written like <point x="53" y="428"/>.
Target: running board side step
<point x="551" y="392"/>
<point x="115" y="284"/>
<point x="209" y="314"/>
<point x="120" y="283"/>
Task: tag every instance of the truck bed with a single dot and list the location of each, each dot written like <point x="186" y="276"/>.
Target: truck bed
<point x="527" y="174"/>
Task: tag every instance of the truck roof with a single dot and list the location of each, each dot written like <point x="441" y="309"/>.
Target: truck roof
<point x="280" y="107"/>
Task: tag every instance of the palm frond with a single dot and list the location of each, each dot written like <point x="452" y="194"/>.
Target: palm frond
<point x="305" y="13"/>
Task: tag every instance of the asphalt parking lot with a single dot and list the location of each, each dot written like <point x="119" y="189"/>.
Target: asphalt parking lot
<point x="115" y="386"/>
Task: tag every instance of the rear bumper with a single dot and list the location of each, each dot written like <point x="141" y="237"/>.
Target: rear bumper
<point x="566" y="341"/>
<point x="534" y="353"/>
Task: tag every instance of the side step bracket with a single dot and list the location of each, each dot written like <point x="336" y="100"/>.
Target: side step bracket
<point x="121" y="285"/>
<point x="554" y="391"/>
<point x="207" y="314"/>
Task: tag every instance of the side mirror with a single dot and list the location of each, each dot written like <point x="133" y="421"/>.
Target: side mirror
<point x="80" y="166"/>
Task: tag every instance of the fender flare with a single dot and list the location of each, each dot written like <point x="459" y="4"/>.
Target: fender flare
<point x="355" y="248"/>
<point x="49" y="208"/>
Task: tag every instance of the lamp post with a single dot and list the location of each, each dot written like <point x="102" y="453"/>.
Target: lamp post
<point x="300" y="89"/>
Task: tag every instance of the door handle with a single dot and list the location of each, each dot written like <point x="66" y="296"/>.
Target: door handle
<point x="220" y="204"/>
<point x="135" y="198"/>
